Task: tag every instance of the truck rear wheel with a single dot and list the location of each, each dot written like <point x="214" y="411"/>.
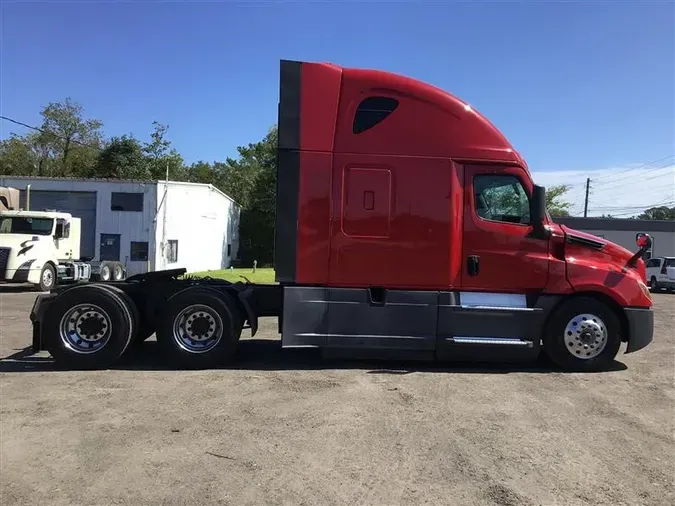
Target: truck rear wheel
<point x="117" y="271"/>
<point x="583" y="334"/>
<point x="105" y="272"/>
<point x="199" y="328"/>
<point x="88" y="327"/>
<point x="138" y="322"/>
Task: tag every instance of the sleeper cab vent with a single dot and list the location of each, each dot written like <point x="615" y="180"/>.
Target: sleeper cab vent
<point x="371" y="111"/>
<point x="583" y="241"/>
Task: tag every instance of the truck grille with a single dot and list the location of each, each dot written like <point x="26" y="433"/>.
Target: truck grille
<point x="4" y="257"/>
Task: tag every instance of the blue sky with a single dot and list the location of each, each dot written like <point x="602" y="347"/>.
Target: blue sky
<point x="573" y="85"/>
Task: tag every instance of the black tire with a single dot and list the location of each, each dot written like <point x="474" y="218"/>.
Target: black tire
<point x="104" y="311"/>
<point x="569" y="357"/>
<point x="217" y="315"/>
<point x="117" y="271"/>
<point x="134" y="314"/>
<point x="105" y="271"/>
<point x="653" y="284"/>
<point x="48" y="273"/>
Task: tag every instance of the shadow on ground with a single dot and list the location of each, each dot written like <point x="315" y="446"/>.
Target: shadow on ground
<point x="18" y="288"/>
<point x="267" y="355"/>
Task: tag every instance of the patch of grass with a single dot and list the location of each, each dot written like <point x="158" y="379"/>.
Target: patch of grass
<point x="262" y="275"/>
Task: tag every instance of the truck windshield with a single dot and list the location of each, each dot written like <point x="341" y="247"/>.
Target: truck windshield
<point x="26" y="225"/>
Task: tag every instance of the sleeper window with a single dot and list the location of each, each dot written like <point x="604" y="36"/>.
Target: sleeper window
<point x="501" y="198"/>
<point x="372" y="111"/>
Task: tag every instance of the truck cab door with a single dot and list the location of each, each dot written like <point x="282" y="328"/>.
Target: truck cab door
<point x="500" y="252"/>
<point x="61" y="239"/>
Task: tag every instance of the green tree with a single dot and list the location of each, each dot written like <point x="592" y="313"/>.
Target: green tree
<point x="17" y="157"/>
<point x="555" y="202"/>
<point x="161" y="155"/>
<point x="240" y="175"/>
<point x="251" y="181"/>
<point x="122" y="158"/>
<point x="203" y="172"/>
<point x="658" y="213"/>
<point x="73" y="140"/>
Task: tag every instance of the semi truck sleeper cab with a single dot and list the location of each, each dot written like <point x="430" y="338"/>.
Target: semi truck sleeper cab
<point x="407" y="226"/>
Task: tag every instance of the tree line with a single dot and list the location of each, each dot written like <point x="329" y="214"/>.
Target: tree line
<point x="67" y="144"/>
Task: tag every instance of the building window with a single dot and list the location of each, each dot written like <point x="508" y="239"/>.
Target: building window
<point x="501" y="198"/>
<point x="229" y="250"/>
<point x="120" y="201"/>
<point x="139" y="251"/>
<point x="172" y="253"/>
<point x="371" y="111"/>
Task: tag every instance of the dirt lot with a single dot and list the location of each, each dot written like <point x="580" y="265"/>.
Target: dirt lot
<point x="287" y="428"/>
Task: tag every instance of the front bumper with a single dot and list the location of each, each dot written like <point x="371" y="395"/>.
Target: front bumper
<point x="640" y="328"/>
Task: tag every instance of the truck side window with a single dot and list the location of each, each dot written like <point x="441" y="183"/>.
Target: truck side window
<point x="501" y="198"/>
<point x="372" y="111"/>
<point x="62" y="229"/>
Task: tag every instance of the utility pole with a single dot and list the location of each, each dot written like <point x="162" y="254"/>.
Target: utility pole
<point x="166" y="191"/>
<point x="588" y="186"/>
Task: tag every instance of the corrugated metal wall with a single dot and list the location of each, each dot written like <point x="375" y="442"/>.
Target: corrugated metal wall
<point x="91" y="200"/>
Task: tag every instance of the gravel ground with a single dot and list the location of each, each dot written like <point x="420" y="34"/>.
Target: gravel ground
<point x="284" y="427"/>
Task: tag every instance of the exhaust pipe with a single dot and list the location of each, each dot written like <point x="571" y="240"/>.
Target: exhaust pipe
<point x="27" y="197"/>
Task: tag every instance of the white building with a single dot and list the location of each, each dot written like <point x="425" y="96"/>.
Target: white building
<point x="147" y="225"/>
<point x="624" y="232"/>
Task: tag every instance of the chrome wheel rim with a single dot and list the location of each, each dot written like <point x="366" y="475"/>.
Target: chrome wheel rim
<point x="85" y="328"/>
<point x="47" y="278"/>
<point x="197" y="328"/>
<point x="105" y="272"/>
<point x="118" y="272"/>
<point x="585" y="336"/>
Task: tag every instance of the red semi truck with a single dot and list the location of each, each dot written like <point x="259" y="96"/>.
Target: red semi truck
<point x="407" y="226"/>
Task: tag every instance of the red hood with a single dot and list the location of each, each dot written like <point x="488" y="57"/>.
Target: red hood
<point x="605" y="251"/>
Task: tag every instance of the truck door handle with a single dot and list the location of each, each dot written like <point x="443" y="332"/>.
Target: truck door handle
<point x="473" y="265"/>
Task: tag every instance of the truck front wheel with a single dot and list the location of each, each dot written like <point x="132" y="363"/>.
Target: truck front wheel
<point x="583" y="334"/>
<point x="47" y="278"/>
<point x="200" y="328"/>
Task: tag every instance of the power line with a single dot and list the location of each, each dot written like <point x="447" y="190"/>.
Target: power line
<point x="647" y="206"/>
<point x="47" y="132"/>
<point x="653" y="169"/>
<point x="669" y="157"/>
<point x="670" y="171"/>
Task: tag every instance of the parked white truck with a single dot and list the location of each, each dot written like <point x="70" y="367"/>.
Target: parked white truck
<point x="43" y="248"/>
